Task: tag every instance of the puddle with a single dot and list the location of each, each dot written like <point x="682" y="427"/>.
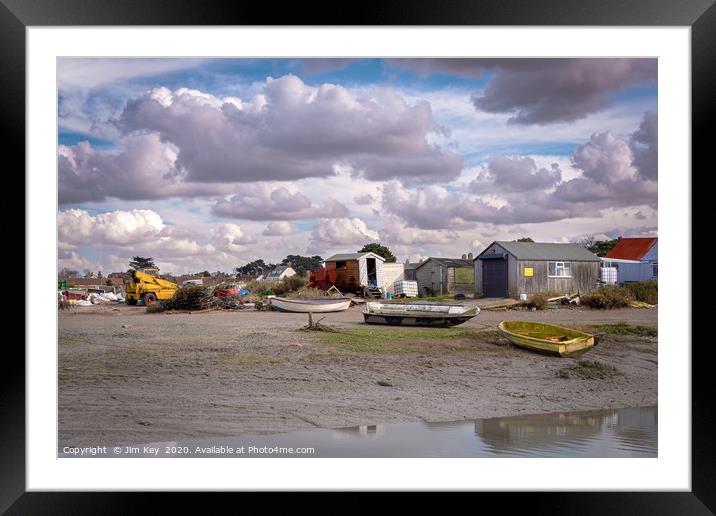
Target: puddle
<point x="628" y="432"/>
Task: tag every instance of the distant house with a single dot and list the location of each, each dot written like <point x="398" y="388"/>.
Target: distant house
<point x="355" y="272"/>
<point x="440" y="276"/>
<point x="508" y="269"/>
<point x="635" y="259"/>
<point x="280" y="272"/>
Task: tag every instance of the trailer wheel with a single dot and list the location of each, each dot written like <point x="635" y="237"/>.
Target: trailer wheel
<point x="149" y="299"/>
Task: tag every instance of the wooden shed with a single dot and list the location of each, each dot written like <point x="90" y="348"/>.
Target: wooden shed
<point x="357" y="271"/>
<point x="508" y="269"/>
<point x="440" y="276"/>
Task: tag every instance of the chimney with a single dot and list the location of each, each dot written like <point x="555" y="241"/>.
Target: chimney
<point x="469" y="256"/>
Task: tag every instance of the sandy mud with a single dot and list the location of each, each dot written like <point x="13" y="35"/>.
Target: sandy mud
<point x="128" y="377"/>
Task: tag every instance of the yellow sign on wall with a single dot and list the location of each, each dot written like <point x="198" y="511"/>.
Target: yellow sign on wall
<point x="529" y="271"/>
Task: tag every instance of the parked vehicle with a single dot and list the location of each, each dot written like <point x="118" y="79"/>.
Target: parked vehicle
<point x="148" y="287"/>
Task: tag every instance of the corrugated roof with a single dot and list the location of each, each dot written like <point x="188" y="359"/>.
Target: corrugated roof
<point x="631" y="248"/>
<point x="448" y="262"/>
<point x="350" y="256"/>
<point x="547" y="251"/>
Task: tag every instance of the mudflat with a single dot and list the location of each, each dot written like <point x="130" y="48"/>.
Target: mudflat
<point x="128" y="377"/>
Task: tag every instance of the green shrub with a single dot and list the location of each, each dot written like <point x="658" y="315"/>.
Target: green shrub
<point x="278" y="288"/>
<point x="589" y="370"/>
<point x="258" y="286"/>
<point x="646" y="291"/>
<point x="308" y="293"/>
<point x="608" y="297"/>
<point x="294" y="283"/>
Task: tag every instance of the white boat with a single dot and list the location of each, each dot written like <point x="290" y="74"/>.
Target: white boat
<point x="320" y="305"/>
<point x="415" y="314"/>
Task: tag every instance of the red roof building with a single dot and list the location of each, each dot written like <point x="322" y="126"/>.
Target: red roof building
<point x="631" y="249"/>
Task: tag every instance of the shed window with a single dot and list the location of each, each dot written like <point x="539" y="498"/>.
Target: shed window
<point x="560" y="269"/>
<point x="341" y="265"/>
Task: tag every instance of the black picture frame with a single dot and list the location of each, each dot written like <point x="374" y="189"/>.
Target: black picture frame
<point x="16" y="15"/>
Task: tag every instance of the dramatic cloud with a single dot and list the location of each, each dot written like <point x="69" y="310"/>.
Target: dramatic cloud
<point x="278" y="228"/>
<point x="263" y="202"/>
<point x="611" y="175"/>
<point x="329" y="234"/>
<point x="644" y="144"/>
<point x="116" y="228"/>
<point x="89" y="72"/>
<point x="242" y="167"/>
<point x="544" y="91"/>
<point x="292" y="131"/>
<point x="142" y="167"/>
<point x="397" y="232"/>
<point x="75" y="261"/>
<point x="122" y="234"/>
<point x="515" y="175"/>
<point x="364" y="200"/>
<point x="231" y="237"/>
<point x="608" y="177"/>
<point x="605" y="159"/>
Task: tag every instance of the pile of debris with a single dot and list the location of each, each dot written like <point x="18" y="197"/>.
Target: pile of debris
<point x="69" y="298"/>
<point x="566" y="299"/>
<point x="195" y="297"/>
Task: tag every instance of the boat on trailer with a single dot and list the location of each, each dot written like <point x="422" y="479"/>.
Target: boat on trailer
<point x="547" y="338"/>
<point x="418" y="314"/>
<point x="316" y="306"/>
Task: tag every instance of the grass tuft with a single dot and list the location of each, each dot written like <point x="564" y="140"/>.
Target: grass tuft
<point x="383" y="340"/>
<point x="627" y="329"/>
<point x="589" y="370"/>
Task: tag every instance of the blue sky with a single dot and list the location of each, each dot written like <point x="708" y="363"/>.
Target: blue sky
<point x="208" y="164"/>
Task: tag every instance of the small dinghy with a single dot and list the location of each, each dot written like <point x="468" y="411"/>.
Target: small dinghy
<point x="414" y="314"/>
<point x="319" y="305"/>
<point x="547" y="338"/>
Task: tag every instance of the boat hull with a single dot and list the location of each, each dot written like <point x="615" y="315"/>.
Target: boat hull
<point x="416" y="320"/>
<point x="533" y="336"/>
<point x="305" y="306"/>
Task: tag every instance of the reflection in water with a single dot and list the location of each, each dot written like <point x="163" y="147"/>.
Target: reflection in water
<point x="623" y="432"/>
<point x="364" y="430"/>
<point x="600" y="433"/>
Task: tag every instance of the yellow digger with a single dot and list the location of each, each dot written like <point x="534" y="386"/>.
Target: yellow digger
<point x="147" y="286"/>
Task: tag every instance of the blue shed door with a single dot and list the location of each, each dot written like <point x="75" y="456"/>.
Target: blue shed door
<point x="494" y="278"/>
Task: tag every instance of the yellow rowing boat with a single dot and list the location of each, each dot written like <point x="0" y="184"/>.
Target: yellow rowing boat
<point x="547" y="338"/>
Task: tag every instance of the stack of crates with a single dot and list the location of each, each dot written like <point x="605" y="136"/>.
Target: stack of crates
<point x="405" y="288"/>
<point x="608" y="275"/>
